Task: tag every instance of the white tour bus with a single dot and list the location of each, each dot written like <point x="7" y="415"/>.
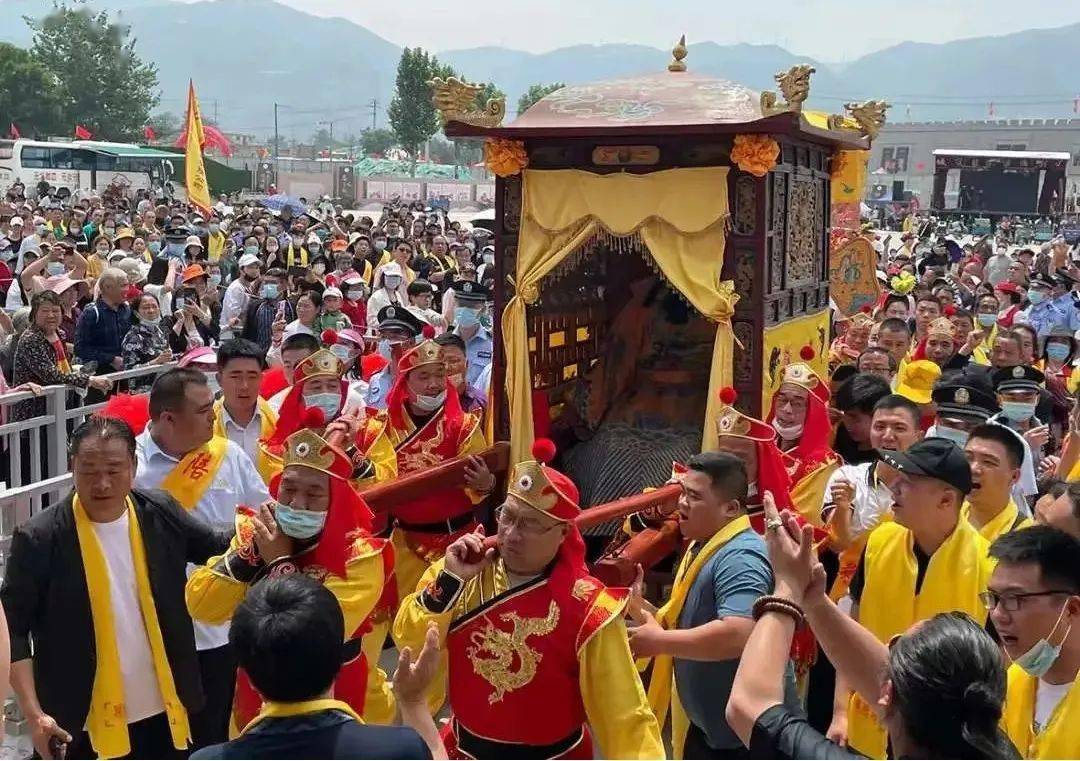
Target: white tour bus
<point x="71" y="166"/>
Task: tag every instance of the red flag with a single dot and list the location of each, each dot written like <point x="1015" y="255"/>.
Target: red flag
<point x="148" y="133"/>
<point x="82" y="133"/>
<point x="13" y="131"/>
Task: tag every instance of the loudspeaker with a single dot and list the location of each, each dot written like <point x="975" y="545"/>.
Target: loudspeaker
<point x="346" y="184"/>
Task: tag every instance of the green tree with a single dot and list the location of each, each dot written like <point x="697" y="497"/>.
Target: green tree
<point x="103" y="84"/>
<point x="166" y="124"/>
<point x="29" y="96"/>
<point x="412" y="115"/>
<point x="377" y="141"/>
<point x="535" y="93"/>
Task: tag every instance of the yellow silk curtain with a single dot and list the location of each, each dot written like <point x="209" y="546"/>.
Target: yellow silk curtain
<point x="680" y="215"/>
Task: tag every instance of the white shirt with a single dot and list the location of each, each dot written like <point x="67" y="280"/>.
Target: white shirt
<point x="379" y="299"/>
<point x="233" y="304"/>
<point x="142" y="696"/>
<point x="1047" y="698"/>
<point x="872" y="499"/>
<point x="237" y="483"/>
<point x="245" y="437"/>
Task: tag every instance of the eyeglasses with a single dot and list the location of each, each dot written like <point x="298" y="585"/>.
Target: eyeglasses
<point x="522" y="523"/>
<point x="1013" y="602"/>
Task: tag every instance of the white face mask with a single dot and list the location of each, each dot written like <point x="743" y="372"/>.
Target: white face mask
<point x="429" y="403"/>
<point x="788" y="433"/>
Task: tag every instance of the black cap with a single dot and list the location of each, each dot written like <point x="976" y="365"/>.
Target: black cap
<point x="1019" y="378"/>
<point x="466" y="291"/>
<point x="397" y="317"/>
<point x="1043" y="280"/>
<point x="1064" y="278"/>
<point x="965" y="401"/>
<point x="934" y="457"/>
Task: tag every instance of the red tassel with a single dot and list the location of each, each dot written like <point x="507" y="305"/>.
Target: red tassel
<point x="728" y="395"/>
<point x="543" y="450"/>
<point x="807" y="353"/>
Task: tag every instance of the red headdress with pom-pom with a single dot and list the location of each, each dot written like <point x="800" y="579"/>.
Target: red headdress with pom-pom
<point x="813" y="446"/>
<point x="542" y="487"/>
<point x="347" y="512"/>
<point x="133" y="409"/>
<point x="293" y="410"/>
<point x="536" y="484"/>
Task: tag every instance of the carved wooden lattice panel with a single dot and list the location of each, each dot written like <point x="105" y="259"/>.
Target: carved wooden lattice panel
<point x="512" y="204"/>
<point x="745" y="219"/>
<point x="778" y="229"/>
<point x="804" y="234"/>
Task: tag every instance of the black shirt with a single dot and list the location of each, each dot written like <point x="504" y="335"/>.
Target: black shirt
<point x="781" y="733"/>
<point x="326" y="734"/>
<point x="858" y="580"/>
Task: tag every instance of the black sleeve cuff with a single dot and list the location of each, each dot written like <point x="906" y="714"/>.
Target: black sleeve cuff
<point x="239" y="566"/>
<point x="441" y="594"/>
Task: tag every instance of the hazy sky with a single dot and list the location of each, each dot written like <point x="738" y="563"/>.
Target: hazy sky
<point x="829" y="30"/>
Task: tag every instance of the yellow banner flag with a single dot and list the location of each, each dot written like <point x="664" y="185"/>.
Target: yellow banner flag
<point x="195" y="171"/>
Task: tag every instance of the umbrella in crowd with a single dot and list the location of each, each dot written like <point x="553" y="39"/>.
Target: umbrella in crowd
<point x="280" y="201"/>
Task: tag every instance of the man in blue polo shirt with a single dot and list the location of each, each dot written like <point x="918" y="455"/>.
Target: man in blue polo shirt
<point x="724" y="571"/>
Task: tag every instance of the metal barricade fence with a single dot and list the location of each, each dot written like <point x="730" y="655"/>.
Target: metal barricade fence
<point x="35" y="450"/>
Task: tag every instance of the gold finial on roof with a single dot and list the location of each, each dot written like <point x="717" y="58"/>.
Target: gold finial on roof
<point x="678" y="53"/>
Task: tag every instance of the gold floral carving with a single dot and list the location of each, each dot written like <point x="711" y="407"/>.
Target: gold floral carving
<point x="455" y="100"/>
<point x="755" y="154"/>
<point x="507" y="648"/>
<point x="505" y="158"/>
<point x="794" y="87"/>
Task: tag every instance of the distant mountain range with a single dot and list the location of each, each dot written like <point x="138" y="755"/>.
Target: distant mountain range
<point x="246" y="54"/>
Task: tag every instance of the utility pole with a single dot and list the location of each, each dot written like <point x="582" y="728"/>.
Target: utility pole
<point x="277" y="140"/>
<point x="374" y="111"/>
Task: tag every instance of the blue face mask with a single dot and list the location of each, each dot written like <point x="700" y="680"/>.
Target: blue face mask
<point x="329" y="403"/>
<point x="269" y="291"/>
<point x="1018" y="412"/>
<point x="464" y="317"/>
<point x="1036" y="297"/>
<point x="986" y="320"/>
<point x="299" y="524"/>
<point x="955" y="435"/>
<point x="154" y="246"/>
<point x="56" y="268"/>
<point x="252" y="250"/>
<point x="1042" y="655"/>
<point x="1057" y="351"/>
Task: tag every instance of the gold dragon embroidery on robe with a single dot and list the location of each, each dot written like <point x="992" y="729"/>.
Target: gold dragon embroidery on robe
<point x="508" y="647"/>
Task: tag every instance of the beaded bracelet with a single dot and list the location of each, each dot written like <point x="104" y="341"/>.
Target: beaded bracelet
<point x="773" y="604"/>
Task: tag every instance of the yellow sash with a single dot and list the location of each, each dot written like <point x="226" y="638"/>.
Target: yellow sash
<point x="1002" y="523"/>
<point x="958" y="572"/>
<point x="1060" y="737"/>
<point x="267" y="422"/>
<point x="107" y="721"/>
<point x="217" y="246"/>
<point x="290" y="257"/>
<point x="273" y="710"/>
<point x="192" y="476"/>
<point x="809" y="494"/>
<point x="662" y="692"/>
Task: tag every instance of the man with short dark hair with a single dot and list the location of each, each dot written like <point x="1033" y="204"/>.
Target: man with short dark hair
<point x="1034" y="602"/>
<point x="995" y="455"/>
<point x="876" y="360"/>
<point x="269" y="309"/>
<point x="696" y="639"/>
<point x="287" y="634"/>
<point x="210" y="476"/>
<point x="241" y="415"/>
<point x="855" y="399"/>
<point x="103" y="658"/>
<point x="894" y="336"/>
